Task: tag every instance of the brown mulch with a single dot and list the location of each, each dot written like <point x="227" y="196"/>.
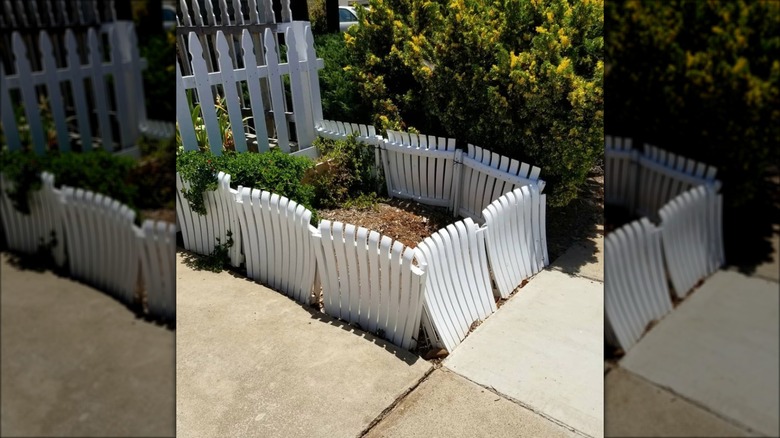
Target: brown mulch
<point x="579" y="219"/>
<point x="405" y="221"/>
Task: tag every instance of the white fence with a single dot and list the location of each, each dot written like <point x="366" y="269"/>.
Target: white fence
<point x="431" y="171"/>
<point x="28" y="232"/>
<point x="369" y="279"/>
<point x="101" y="242"/>
<point x="97" y="240"/>
<point x="276" y="238"/>
<point x="200" y="232"/>
<point x="457" y="291"/>
<point x="693" y="244"/>
<point x="635" y="288"/>
<point x="516" y="236"/>
<point x="257" y="12"/>
<point x="419" y="167"/>
<point x="681" y="195"/>
<point x="81" y="104"/>
<point x="262" y="83"/>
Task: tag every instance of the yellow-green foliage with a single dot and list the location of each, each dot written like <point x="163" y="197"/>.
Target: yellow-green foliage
<point x="520" y="77"/>
<point x="700" y="78"/>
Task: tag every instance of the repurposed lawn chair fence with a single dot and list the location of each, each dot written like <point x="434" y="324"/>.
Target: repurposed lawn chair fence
<point x="258" y="81"/>
<point x="85" y="115"/>
<point x="96" y="240"/>
<point x="443" y="286"/>
<point x="685" y="245"/>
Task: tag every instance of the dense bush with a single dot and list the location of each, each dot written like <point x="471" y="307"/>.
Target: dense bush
<point x="338" y="88"/>
<point x="522" y="78"/>
<point x="160" y="76"/>
<point x="273" y="171"/>
<point x="702" y="79"/>
<point x="98" y="171"/>
<point x="349" y="173"/>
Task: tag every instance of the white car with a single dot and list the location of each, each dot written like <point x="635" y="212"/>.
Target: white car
<point x="347" y="17"/>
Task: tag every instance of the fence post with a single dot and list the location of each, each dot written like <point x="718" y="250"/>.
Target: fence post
<point x="456" y="175"/>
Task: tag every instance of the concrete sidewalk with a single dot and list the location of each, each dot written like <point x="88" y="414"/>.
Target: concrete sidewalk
<point x="75" y="362"/>
<point x="719" y="350"/>
<point x="252" y="362"/>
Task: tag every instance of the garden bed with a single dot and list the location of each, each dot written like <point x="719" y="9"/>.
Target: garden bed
<point x="405" y="221"/>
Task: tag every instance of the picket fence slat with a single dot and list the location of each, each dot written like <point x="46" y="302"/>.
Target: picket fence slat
<point x="370" y="280"/>
<point x="635" y="290"/>
<point x="455" y="257"/>
<point x="157" y="250"/>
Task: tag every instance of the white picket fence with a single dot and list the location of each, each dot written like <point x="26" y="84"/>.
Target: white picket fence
<point x="27" y="233"/>
<point x="262" y="82"/>
<point x="276" y="238"/>
<point x="157" y="250"/>
<point x="366" y="278"/>
<point x="644" y="182"/>
<point x="681" y="195"/>
<point x="200" y="232"/>
<point x="457" y="291"/>
<point x="635" y="288"/>
<point x="369" y="279"/>
<point x="419" y="167"/>
<point x="516" y="237"/>
<point x="108" y="93"/>
<point x="692" y="237"/>
<point x="98" y="242"/>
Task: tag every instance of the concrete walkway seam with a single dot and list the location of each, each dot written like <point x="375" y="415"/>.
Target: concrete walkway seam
<point x="523" y="405"/>
<point x="728" y="420"/>
<point x="396" y="402"/>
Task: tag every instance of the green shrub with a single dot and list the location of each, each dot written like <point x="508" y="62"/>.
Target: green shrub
<point x="521" y="78"/>
<point x="349" y="174"/>
<point x="98" y="171"/>
<point x="273" y="171"/>
<point x="338" y="86"/>
<point x="160" y="76"/>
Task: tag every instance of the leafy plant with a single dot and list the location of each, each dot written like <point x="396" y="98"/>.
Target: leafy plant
<point x="219" y="257"/>
<point x="338" y="85"/>
<point x="98" y="171"/>
<point x="273" y="171"/>
<point x="348" y="172"/>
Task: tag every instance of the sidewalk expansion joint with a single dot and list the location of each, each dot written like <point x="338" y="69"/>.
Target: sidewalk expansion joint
<point x="525" y="405"/>
<point x="695" y="403"/>
<point x="396" y="402"/>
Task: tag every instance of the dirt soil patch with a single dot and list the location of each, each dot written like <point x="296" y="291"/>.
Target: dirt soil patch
<point x="405" y="221"/>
